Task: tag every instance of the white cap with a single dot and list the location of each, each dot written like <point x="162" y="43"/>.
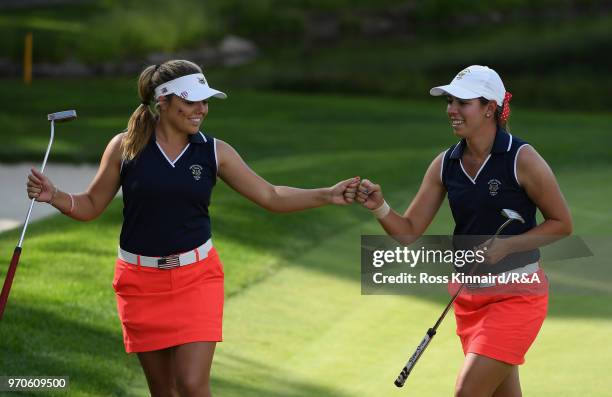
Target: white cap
<point x="474" y="82"/>
<point x="192" y="87"/>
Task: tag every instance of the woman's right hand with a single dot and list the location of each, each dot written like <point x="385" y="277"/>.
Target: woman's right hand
<point x="369" y="195"/>
<point x="39" y="187"/>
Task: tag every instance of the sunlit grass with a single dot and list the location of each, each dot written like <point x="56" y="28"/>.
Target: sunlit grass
<point x="295" y="322"/>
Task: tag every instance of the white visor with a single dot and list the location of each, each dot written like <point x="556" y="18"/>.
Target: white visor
<point x="192" y="87"/>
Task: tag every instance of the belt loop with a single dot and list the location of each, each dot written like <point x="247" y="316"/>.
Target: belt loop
<point x="138" y="261"/>
<point x="197" y="252"/>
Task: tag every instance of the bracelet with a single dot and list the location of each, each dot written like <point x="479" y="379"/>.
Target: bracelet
<point x="55" y="190"/>
<point x="381" y="211"/>
<point x="71" y="205"/>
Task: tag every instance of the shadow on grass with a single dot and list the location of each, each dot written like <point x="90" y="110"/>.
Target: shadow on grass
<point x="37" y="342"/>
<point x="244" y="371"/>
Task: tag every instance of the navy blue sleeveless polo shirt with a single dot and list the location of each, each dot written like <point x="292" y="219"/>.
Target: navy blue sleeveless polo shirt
<point x="165" y="204"/>
<point x="476" y="203"/>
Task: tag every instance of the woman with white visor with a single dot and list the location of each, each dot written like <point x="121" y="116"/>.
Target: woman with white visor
<point x="168" y="276"/>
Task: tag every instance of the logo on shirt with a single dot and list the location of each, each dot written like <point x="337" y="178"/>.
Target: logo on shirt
<point x="494" y="185"/>
<point x="196" y="171"/>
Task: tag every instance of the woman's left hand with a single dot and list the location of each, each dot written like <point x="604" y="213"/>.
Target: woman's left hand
<point x="494" y="250"/>
<point x="343" y="192"/>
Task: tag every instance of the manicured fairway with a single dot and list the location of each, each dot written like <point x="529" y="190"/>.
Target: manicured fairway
<point x="295" y="322"/>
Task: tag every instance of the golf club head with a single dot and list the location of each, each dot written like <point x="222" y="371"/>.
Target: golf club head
<point x="60" y="117"/>
<point x="511" y="214"/>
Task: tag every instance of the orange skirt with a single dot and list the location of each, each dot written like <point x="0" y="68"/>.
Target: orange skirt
<point x="501" y="326"/>
<point x="159" y="308"/>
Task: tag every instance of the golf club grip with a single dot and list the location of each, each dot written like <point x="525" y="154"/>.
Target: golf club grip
<point x="401" y="379"/>
<point x="8" y="281"/>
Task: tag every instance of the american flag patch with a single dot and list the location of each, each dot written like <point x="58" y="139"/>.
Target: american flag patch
<point x="168" y="262"/>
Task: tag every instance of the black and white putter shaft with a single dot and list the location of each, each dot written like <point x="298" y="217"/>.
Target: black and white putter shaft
<point x="58" y="117"/>
<point x="511" y="216"/>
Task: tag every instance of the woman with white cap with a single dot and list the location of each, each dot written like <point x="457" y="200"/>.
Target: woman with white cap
<point x="486" y="171"/>
<point x="168" y="276"/>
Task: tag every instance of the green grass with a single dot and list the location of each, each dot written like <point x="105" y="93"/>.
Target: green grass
<point x="295" y="322"/>
<point x="262" y="124"/>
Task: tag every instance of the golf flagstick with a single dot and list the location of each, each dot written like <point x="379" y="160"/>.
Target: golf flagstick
<point x="431" y="332"/>
<point x="8" y="281"/>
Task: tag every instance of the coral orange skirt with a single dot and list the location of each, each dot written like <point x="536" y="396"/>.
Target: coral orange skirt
<point x="159" y="308"/>
<point x="501" y="326"/>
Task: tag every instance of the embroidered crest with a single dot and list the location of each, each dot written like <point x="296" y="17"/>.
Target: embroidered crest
<point x="196" y="171"/>
<point x="184" y="94"/>
<point x="461" y="74"/>
<point x="494" y="185"/>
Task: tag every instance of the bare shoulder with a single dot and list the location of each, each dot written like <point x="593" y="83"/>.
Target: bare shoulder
<point x="225" y="151"/>
<point x="437" y="161"/>
<point x="222" y="145"/>
<point x="116" y="141"/>
<point x="434" y="172"/>
<point x="113" y="151"/>
<point x="528" y="157"/>
<point x="531" y="168"/>
<point x="528" y="153"/>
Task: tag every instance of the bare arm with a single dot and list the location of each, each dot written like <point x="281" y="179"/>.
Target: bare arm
<point x="90" y="204"/>
<point x="237" y="174"/>
<point x="541" y="186"/>
<point x="421" y="211"/>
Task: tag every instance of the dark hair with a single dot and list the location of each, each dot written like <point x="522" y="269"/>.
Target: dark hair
<point x="142" y="122"/>
<point x="498" y="111"/>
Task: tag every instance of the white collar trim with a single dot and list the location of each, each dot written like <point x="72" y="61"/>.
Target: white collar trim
<point x="167" y="158"/>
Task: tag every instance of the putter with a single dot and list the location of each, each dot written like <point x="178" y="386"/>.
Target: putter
<point x="431" y="332"/>
<point x="58" y="117"/>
